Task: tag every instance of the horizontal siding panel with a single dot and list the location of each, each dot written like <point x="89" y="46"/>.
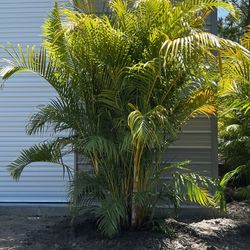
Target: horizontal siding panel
<point x="198" y="124"/>
<point x="6" y="160"/>
<point x="51" y="175"/>
<point x="197" y="155"/>
<point x="28" y="15"/>
<point x="42" y="170"/>
<point x="26" y="103"/>
<point x="27" y="82"/>
<point x="31" y="197"/>
<point x="8" y="123"/>
<point x="17" y="129"/>
<point x="23" y="99"/>
<point x="6" y="10"/>
<point x="12" y="7"/>
<point x="43" y="90"/>
<point x="12" y="149"/>
<point x="20" y="108"/>
<point x="20" y="23"/>
<point x="194" y="139"/>
<point x="17" y="134"/>
<point x="33" y="194"/>
<point x="21" y="2"/>
<point x="30" y="90"/>
<point x="204" y="169"/>
<point x="29" y="139"/>
<point x="21" y="189"/>
<point x="21" y="144"/>
<point x="37" y="176"/>
<point x="35" y="199"/>
<point x="18" y="40"/>
<point x="6" y="33"/>
<point x="41" y="167"/>
<point x="25" y="111"/>
<point x="26" y="78"/>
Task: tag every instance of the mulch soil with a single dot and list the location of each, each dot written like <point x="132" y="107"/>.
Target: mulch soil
<point x="51" y="233"/>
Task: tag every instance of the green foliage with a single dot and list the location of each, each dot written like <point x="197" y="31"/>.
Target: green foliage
<point x="234" y="118"/>
<point x="90" y="194"/>
<point x="232" y="27"/>
<point x="229" y="28"/>
<point x="234" y="123"/>
<point x="126" y="82"/>
<point x="111" y="214"/>
<point x="195" y="186"/>
<point x="245" y="39"/>
<point x="222" y="185"/>
<point x="44" y="152"/>
<point x="234" y="139"/>
<point x="160" y="225"/>
<point x="242" y="193"/>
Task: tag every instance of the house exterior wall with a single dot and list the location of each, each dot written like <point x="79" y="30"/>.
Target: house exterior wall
<point x="20" y="22"/>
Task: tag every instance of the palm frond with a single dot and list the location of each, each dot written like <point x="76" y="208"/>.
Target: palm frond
<point x="29" y="60"/>
<point x="245" y="39"/>
<point x="235" y="81"/>
<point x="228" y="176"/>
<point x="196" y="187"/>
<point x="242" y="193"/>
<point x="58" y="115"/>
<point x="208" y="5"/>
<point x="90" y="7"/>
<point x="56" y="41"/>
<point x="85" y="191"/>
<point x="219" y="196"/>
<point x="111" y="214"/>
<point x="141" y="128"/>
<point x="203" y="102"/>
<point x="143" y="78"/>
<point x="44" y="152"/>
<point x="165" y="168"/>
<point x="99" y="146"/>
<point x="185" y="47"/>
<point x="146" y="129"/>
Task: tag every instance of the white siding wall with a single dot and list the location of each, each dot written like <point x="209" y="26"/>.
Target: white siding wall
<point x="20" y="22"/>
<point x="196" y="143"/>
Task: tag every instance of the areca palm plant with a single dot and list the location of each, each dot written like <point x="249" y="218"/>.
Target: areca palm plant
<point x="235" y="116"/>
<point x="126" y="81"/>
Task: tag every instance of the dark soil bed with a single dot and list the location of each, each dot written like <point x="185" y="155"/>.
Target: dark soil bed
<point x="45" y="233"/>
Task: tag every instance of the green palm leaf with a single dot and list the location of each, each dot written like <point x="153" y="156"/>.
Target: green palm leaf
<point x="30" y="60"/>
<point x="195" y="186"/>
<point x="44" y="152"/>
<point x="111" y="214"/>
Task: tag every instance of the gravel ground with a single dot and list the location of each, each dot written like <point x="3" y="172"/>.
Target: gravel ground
<point x="47" y="233"/>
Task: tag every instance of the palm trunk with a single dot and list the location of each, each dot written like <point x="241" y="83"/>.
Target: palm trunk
<point x="133" y="207"/>
<point x="135" y="216"/>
